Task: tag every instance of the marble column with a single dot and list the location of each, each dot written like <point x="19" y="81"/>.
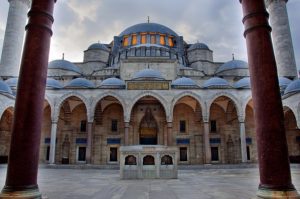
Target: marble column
<point x="206" y="143"/>
<point x="21" y="179"/>
<point x="282" y="39"/>
<point x="126" y="132"/>
<point x="13" y="38"/>
<point x="243" y="142"/>
<point x="53" y="142"/>
<point x="169" y="134"/>
<point x="89" y="142"/>
<point x="274" y="168"/>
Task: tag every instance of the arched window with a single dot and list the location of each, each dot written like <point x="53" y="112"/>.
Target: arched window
<point x="170" y="40"/>
<point x="143" y="38"/>
<point x="148" y="160"/>
<point x="134" y="39"/>
<point x="130" y="160"/>
<point x="162" y="40"/>
<point x="125" y="41"/>
<point x="166" y="160"/>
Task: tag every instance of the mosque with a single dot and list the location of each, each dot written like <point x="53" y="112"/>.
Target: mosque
<point x="148" y="87"/>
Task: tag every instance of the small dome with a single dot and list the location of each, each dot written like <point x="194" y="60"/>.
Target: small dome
<point x="112" y="83"/>
<point x="12" y="82"/>
<point x="198" y="46"/>
<point x="242" y="83"/>
<point x="4" y="88"/>
<point x="184" y="82"/>
<point x="53" y="83"/>
<point x="284" y="82"/>
<point x="148" y="73"/>
<point x="98" y="46"/>
<point x="232" y="65"/>
<point x="293" y="87"/>
<point x="63" y="65"/>
<point x="80" y="83"/>
<point x="216" y="82"/>
<point x="148" y="27"/>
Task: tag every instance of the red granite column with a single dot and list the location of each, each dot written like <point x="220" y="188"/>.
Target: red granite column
<point x="21" y="179"/>
<point x="275" y="175"/>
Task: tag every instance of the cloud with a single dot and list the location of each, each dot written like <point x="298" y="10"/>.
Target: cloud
<point x="216" y="23"/>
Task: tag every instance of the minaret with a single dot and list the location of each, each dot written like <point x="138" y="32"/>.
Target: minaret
<point x="282" y="39"/>
<point x="13" y="39"/>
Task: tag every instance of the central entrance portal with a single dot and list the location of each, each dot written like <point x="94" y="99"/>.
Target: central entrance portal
<point x="148" y="129"/>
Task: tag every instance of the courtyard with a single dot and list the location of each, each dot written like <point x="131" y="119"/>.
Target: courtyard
<point x="193" y="183"/>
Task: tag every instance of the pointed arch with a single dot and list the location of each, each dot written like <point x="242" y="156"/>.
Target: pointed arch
<point x="136" y="98"/>
<point x="187" y="94"/>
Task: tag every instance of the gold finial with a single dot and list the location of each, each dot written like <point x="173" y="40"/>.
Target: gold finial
<point x="63" y="56"/>
<point x="148" y="19"/>
<point x="232" y="56"/>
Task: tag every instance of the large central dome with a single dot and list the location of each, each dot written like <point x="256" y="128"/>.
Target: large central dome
<point x="148" y="27"/>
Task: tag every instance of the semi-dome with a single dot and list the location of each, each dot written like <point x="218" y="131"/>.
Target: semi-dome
<point x="293" y="87"/>
<point x="80" y="83"/>
<point x="63" y="65"/>
<point x="198" y="45"/>
<point x="12" y="82"/>
<point x="4" y="88"/>
<point x="216" y="82"/>
<point x="112" y="83"/>
<point x="98" y="46"/>
<point x="53" y="83"/>
<point x="184" y="82"/>
<point x="284" y="82"/>
<point x="232" y="65"/>
<point x="148" y="73"/>
<point x="148" y="27"/>
<point x="242" y="83"/>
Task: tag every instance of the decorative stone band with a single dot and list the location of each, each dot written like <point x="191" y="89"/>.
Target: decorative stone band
<point x="21" y="192"/>
<point x="251" y="25"/>
<point x="45" y="20"/>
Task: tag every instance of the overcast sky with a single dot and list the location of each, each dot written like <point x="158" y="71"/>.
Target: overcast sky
<point x="214" y="22"/>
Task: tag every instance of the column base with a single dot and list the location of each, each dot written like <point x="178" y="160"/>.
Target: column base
<point x="272" y="194"/>
<point x="31" y="192"/>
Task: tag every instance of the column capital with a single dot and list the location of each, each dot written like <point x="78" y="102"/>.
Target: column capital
<point x="170" y="124"/>
<point x="126" y="124"/>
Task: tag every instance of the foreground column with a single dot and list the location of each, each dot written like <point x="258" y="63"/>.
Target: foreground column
<point x="275" y="175"/>
<point x="21" y="179"/>
<point x="53" y="142"/>
<point x="206" y="143"/>
<point x="89" y="142"/>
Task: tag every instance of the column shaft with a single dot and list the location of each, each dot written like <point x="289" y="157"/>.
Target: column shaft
<point x="206" y="143"/>
<point x="169" y="134"/>
<point x="126" y="132"/>
<point x="53" y="143"/>
<point x="26" y="133"/>
<point x="243" y="142"/>
<point x="275" y="175"/>
<point x="89" y="142"/>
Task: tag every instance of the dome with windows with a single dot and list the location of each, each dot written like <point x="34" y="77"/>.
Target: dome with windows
<point x="198" y="45"/>
<point x="4" y="88"/>
<point x="148" y="27"/>
<point x="148" y="74"/>
<point x="242" y="83"/>
<point x="80" y="83"/>
<point x="63" y="65"/>
<point x="98" y="46"/>
<point x="184" y="82"/>
<point x="293" y="87"/>
<point x="112" y="83"/>
<point x="232" y="65"/>
<point x="216" y="82"/>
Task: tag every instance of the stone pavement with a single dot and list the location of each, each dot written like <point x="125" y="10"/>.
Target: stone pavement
<point x="239" y="183"/>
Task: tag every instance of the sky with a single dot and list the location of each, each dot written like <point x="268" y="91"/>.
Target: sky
<point x="216" y="23"/>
